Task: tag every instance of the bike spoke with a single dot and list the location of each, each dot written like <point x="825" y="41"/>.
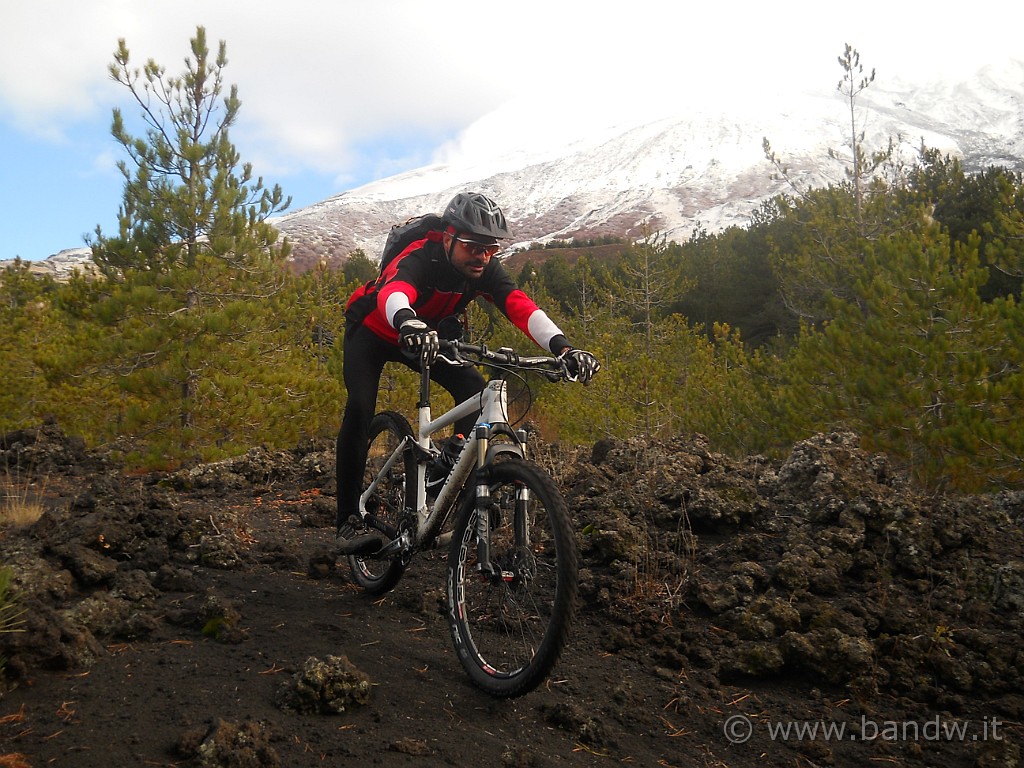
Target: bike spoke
<point x="512" y="620"/>
<point x="386" y="506"/>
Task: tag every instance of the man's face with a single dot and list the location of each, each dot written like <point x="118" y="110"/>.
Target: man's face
<point x="471" y="255"/>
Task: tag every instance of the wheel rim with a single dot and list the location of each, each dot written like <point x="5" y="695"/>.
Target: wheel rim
<point x="387" y="503"/>
<point x="507" y="618"/>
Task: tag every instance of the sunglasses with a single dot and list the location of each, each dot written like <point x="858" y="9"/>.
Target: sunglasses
<point x="476" y="250"/>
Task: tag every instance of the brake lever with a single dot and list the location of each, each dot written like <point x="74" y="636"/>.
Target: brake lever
<point x="450" y="361"/>
<point x="448" y="353"/>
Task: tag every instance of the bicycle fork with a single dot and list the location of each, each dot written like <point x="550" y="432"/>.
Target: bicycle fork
<point x="487" y="511"/>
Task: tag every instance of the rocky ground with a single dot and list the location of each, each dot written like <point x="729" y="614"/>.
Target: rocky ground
<point x="813" y="611"/>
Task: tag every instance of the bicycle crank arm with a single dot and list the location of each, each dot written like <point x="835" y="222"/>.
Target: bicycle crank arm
<point x="395" y="547"/>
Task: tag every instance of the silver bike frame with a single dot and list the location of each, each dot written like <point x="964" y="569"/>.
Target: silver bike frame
<point x="492" y="405"/>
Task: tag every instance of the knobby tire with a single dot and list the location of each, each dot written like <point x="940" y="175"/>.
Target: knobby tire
<point x="387" y="506"/>
<point x="509" y="630"/>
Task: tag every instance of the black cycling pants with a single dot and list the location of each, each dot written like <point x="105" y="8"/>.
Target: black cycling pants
<point x="365" y="356"/>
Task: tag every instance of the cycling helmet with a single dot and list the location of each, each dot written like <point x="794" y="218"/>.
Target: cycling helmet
<point x="476" y="214"/>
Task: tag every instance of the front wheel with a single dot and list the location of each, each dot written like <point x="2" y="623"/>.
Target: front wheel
<point x="509" y="625"/>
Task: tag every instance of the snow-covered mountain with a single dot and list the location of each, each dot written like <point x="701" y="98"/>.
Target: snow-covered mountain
<point x="704" y="167"/>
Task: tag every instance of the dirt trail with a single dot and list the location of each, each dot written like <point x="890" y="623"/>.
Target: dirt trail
<point x="187" y="620"/>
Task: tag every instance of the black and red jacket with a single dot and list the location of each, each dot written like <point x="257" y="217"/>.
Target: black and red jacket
<point x="420" y="278"/>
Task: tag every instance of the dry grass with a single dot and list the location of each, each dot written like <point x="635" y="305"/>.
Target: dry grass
<point x="10" y="612"/>
<point x="661" y="567"/>
<point x="20" y="503"/>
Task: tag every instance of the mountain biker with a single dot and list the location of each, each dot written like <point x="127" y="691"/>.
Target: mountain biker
<point x="395" y="319"/>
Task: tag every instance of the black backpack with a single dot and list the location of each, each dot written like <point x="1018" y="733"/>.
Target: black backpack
<point x="401" y="235"/>
<point x="399" y="238"/>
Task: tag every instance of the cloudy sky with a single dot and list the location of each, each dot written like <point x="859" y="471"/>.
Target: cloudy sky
<point x="337" y="94"/>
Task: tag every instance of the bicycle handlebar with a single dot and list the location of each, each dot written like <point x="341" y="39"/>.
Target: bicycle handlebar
<point x="553" y="368"/>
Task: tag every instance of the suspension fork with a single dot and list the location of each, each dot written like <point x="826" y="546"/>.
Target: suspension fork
<point x="521" y="518"/>
<point x="485" y="509"/>
<point x="483" y="502"/>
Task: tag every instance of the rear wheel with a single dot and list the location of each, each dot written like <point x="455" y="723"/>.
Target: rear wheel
<point x="386" y="506"/>
<point x="509" y="626"/>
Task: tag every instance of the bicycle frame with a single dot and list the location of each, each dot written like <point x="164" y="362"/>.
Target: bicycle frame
<point x="492" y="405"/>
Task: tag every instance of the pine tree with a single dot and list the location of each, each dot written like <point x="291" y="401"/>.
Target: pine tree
<point x="919" y="365"/>
<point x="184" y="197"/>
<point x="24" y="325"/>
<point x="989" y="203"/>
<point x="359" y="268"/>
<point x="820" y="250"/>
<point x="1007" y="231"/>
<point x="194" y="264"/>
<point x="862" y="165"/>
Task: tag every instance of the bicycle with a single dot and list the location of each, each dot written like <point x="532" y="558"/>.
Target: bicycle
<point x="512" y="581"/>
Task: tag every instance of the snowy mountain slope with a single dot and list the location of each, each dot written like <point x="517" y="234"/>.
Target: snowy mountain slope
<point x="704" y="167"/>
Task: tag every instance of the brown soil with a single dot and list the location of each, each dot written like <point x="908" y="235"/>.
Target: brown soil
<point x="190" y="619"/>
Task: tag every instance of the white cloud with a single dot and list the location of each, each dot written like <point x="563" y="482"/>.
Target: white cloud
<point x="321" y="81"/>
